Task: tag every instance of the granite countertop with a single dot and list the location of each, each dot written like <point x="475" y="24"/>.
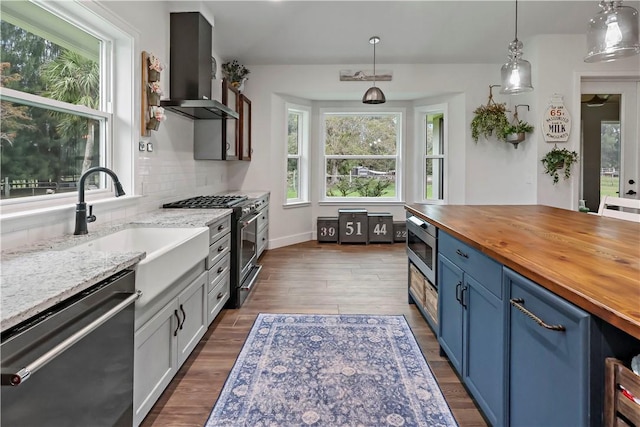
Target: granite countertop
<point x="33" y="278"/>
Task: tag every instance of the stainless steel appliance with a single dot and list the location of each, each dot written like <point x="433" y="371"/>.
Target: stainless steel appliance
<point x="72" y="365"/>
<point x="421" y="246"/>
<point x="244" y="268"/>
<point x="422" y="252"/>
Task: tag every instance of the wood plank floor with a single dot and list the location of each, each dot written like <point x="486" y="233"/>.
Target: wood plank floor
<point x="307" y="278"/>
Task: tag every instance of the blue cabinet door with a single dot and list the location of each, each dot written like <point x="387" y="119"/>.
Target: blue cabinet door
<point x="548" y="369"/>
<point x="484" y="351"/>
<point x="450" y="310"/>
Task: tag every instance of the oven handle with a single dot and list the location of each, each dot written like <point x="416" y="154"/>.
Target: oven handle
<point x="249" y="221"/>
<point x="23" y="374"/>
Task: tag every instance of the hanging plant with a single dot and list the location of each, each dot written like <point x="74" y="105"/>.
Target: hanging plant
<point x="489" y="118"/>
<point x="515" y="132"/>
<point x="557" y="159"/>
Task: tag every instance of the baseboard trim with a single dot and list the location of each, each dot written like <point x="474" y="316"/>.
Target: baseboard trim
<point x="290" y="240"/>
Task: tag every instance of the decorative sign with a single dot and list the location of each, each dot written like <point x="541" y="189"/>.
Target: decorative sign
<point x="556" y="122"/>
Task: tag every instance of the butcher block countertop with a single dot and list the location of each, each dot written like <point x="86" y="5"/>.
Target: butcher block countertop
<point x="591" y="261"/>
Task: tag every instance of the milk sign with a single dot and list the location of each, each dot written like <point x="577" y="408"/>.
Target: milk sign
<point x="556" y="122"/>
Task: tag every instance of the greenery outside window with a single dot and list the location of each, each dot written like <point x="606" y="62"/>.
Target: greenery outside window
<point x="433" y="154"/>
<point x="297" y="182"/>
<point x="56" y="100"/>
<point x="362" y="156"/>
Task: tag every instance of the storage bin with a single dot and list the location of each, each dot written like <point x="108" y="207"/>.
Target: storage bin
<point x="380" y="227"/>
<point x="327" y="229"/>
<point x="400" y="231"/>
<point x="353" y="226"/>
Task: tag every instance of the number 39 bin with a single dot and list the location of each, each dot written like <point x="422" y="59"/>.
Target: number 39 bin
<point x="353" y="226"/>
<point x="327" y="229"/>
<point x="380" y="227"/>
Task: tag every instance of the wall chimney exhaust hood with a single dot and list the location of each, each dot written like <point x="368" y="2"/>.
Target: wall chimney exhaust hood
<point x="190" y="69"/>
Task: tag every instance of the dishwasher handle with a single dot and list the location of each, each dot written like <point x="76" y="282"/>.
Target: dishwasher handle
<point x="23" y="374"/>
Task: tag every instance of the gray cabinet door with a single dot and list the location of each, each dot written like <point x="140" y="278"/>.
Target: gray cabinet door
<point x="192" y="305"/>
<point x="548" y="369"/>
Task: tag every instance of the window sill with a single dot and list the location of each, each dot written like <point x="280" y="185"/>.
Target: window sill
<point x="38" y="217"/>
<point x="361" y="202"/>
<point x="296" y="205"/>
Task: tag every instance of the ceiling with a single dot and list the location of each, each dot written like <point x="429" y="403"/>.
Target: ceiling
<point x="412" y="32"/>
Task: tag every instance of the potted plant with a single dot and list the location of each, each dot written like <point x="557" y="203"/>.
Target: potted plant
<point x="489" y="118"/>
<point x="557" y="159"/>
<point x="235" y="72"/>
<point x="515" y="132"/>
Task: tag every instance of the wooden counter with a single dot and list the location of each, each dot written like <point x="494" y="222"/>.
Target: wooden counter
<point x="591" y="261"/>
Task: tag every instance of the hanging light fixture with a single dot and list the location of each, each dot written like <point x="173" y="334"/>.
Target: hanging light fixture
<point x="374" y="95"/>
<point x="613" y="33"/>
<point x="597" y="101"/>
<point x="516" y="73"/>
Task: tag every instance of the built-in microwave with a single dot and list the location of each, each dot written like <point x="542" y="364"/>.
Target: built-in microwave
<point x="421" y="246"/>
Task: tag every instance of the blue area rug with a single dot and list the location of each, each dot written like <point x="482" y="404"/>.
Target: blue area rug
<point x="330" y="370"/>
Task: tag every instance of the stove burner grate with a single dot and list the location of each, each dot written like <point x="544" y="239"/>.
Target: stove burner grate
<point x="207" y="202"/>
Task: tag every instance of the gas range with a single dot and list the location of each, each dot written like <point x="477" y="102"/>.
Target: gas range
<point x="241" y="205"/>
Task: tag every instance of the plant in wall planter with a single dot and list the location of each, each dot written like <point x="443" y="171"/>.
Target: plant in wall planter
<point x="557" y="159"/>
<point x="489" y="118"/>
<point x="235" y="72"/>
<point x="515" y="133"/>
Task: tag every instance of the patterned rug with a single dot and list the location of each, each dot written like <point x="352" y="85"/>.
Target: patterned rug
<point x="330" y="370"/>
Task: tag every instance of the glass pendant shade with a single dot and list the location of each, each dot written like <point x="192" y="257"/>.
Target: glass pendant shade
<point x="613" y="33"/>
<point x="516" y="73"/>
<point x="374" y="95"/>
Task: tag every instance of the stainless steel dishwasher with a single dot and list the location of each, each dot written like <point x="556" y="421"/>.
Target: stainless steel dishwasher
<point x="73" y="364"/>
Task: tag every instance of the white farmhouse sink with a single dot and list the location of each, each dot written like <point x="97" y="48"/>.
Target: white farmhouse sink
<point x="170" y="252"/>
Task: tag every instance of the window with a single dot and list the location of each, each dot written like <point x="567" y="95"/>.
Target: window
<point x="56" y="100"/>
<point x="362" y="156"/>
<point x="297" y="155"/>
<point x="433" y="135"/>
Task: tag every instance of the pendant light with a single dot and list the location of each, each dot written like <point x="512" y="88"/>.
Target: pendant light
<point x="516" y="73"/>
<point x="597" y="101"/>
<point x="374" y="95"/>
<point x="613" y="33"/>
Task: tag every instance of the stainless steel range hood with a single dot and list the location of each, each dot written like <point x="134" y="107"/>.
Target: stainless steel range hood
<point x="190" y="69"/>
<point x="199" y="109"/>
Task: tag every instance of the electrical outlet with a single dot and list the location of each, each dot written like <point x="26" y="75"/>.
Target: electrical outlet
<point x="149" y="146"/>
<point x="141" y="146"/>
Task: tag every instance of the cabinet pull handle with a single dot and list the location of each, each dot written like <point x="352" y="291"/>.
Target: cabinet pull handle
<point x="462" y="294"/>
<point x="462" y="254"/>
<point x="184" y="316"/>
<point x="220" y="295"/>
<point x="221" y="227"/>
<point x="458" y="292"/>
<point x="221" y="248"/>
<point x="517" y="303"/>
<point x="220" y="270"/>
<point x="175" y="333"/>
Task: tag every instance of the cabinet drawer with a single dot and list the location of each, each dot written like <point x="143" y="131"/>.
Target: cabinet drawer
<point x="482" y="268"/>
<point x="219" y="228"/>
<point x="218" y="250"/>
<point x="218" y="296"/>
<point x="263" y="219"/>
<point x="217" y="271"/>
<point x="263" y="239"/>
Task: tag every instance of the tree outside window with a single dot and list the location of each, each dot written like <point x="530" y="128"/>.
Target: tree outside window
<point x="361" y="153"/>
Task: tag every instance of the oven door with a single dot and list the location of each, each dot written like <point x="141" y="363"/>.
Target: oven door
<point x="248" y="244"/>
<point x="421" y="246"/>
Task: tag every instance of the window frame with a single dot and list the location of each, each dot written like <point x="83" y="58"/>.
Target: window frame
<point x="304" y="133"/>
<point x="400" y="137"/>
<point x="119" y="41"/>
<point x="421" y="133"/>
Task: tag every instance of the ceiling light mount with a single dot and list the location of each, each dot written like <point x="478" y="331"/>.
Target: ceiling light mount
<point x="613" y="33"/>
<point x="374" y="95"/>
<point x="516" y="73"/>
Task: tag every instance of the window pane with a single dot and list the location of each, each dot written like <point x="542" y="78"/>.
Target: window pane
<point x="434" y="179"/>
<point x="45" y="151"/>
<point x="293" y="178"/>
<point x="294" y="133"/>
<point x="361" y="134"/>
<point x="38" y="66"/>
<point x="361" y="178"/>
<point x="435" y="134"/>
<point x="609" y="159"/>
